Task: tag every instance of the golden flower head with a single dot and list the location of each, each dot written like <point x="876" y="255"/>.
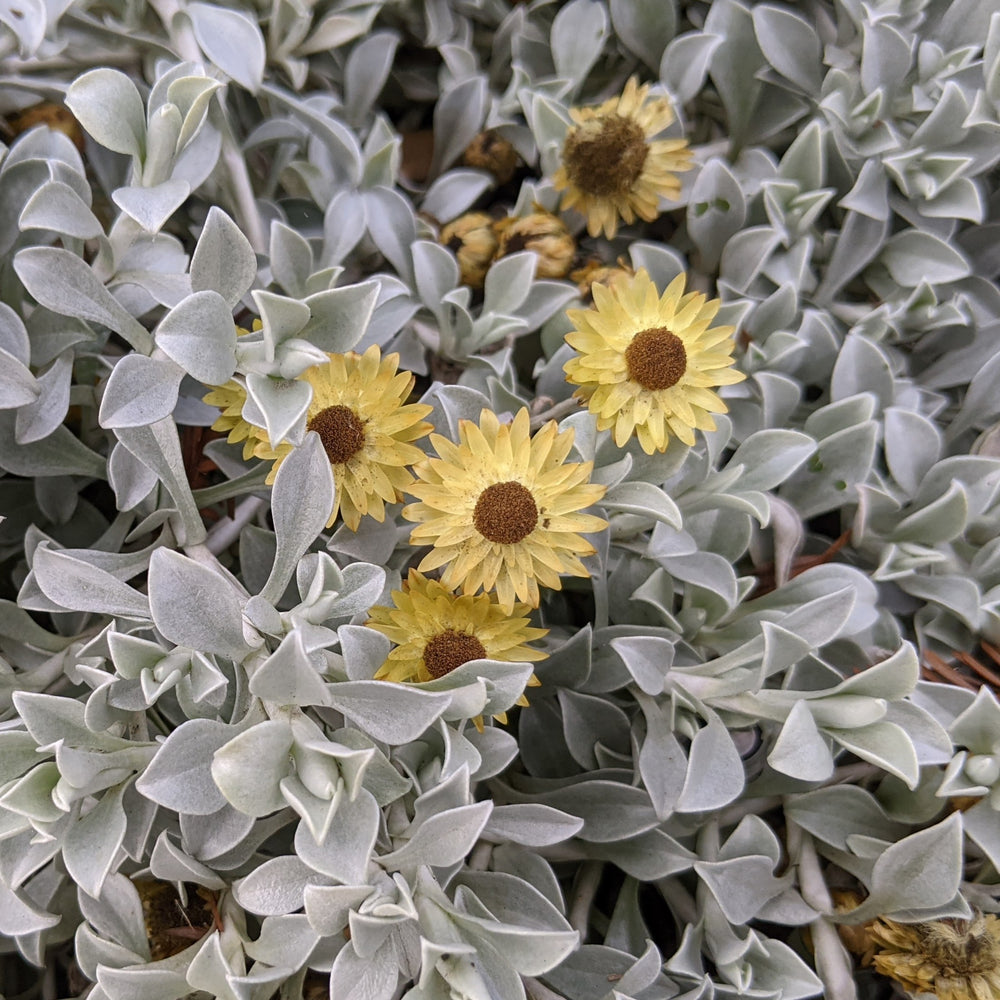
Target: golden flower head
<point x="501" y="509"/>
<point x="544" y="235"/>
<point x="491" y="151"/>
<point x="612" y="168"/>
<point x="360" y="412"/>
<point x="472" y="240"/>
<point x="951" y="959"/>
<point x="230" y="399"/>
<point x="436" y="631"/>
<point x="596" y="272"/>
<point x="647" y="363"/>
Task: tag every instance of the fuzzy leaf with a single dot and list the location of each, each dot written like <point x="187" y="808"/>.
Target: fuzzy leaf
<point x="81" y="586"/>
<point x="248" y="769"/>
<point x="231" y="40"/>
<point x="91" y="844"/>
<point x="180" y="776"/>
<point x="151" y="207"/>
<point x="645" y="27"/>
<point x="715" y="771"/>
<point x="140" y="391"/>
<point x="194" y="606"/>
<point x="62" y="282"/>
<point x="442" y="839"/>
<point x="223" y="260"/>
<point x="200" y="336"/>
<point x="107" y="104"/>
<point x="914" y="256"/>
<point x="578" y="34"/>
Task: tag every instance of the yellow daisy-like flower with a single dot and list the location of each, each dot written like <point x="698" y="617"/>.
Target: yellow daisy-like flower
<point x="230" y="399"/>
<point x="359" y="411"/>
<point x="501" y="509"/>
<point x="951" y="959"/>
<point x="436" y="631"/>
<point x="612" y="168"/>
<point x="647" y="363"/>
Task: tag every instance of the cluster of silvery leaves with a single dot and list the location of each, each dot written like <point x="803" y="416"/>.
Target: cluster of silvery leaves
<point x="192" y="700"/>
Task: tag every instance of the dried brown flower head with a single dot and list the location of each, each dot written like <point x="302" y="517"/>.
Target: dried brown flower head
<point x="491" y="151"/>
<point x="472" y="240"/>
<point x="542" y="233"/>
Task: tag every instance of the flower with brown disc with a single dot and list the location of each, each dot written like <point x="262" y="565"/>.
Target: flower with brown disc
<point x="502" y="509"/>
<point x="612" y="167"/>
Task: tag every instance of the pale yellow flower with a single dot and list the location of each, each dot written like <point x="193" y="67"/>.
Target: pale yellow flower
<point x="360" y="412"/>
<point x="502" y="509"/>
<point x="647" y="364"/>
<point x="436" y="631"/>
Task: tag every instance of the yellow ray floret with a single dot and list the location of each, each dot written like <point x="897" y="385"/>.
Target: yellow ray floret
<point x="502" y="509"/>
<point x="612" y="167"/>
<point x="230" y="398"/>
<point x="647" y="364"/>
<point x="360" y="412"/>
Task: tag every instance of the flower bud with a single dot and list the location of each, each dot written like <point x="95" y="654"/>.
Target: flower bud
<point x="544" y="235"/>
<point x="55" y="116"/>
<point x="596" y="272"/>
<point x="491" y="151"/>
<point x="471" y="238"/>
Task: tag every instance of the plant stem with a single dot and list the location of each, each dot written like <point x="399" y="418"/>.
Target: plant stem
<point x="536" y="991"/>
<point x="584" y="889"/>
<point x="555" y="412"/>
<point x="227" y="531"/>
<point x="680" y="901"/>
<point x="479" y="860"/>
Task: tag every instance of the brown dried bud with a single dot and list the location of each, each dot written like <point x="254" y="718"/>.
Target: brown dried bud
<point x="471" y="238"/>
<point x="544" y="234"/>
<point x="491" y="151"/>
<point x="54" y="115"/>
<point x="599" y="273"/>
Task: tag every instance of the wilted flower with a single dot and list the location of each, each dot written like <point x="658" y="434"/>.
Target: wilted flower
<point x="472" y="240"/>
<point x="501" y="509"/>
<point x="611" y="170"/>
<point x="544" y="235"/>
<point x="491" y="151"/>
<point x="360" y="412"/>
<point x="647" y="363"/>
<point x="950" y="959"/>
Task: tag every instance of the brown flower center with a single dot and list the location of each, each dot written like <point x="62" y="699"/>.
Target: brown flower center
<point x="505" y="513"/>
<point x="656" y="359"/>
<point x="341" y="431"/>
<point x="960" y="948"/>
<point x="448" y="650"/>
<point x="605" y="155"/>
